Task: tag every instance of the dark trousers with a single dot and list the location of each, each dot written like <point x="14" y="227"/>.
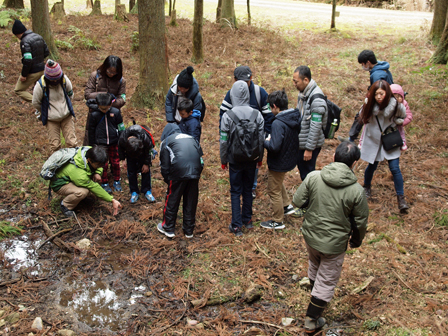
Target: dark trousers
<point x="135" y="167"/>
<point x="241" y="181"/>
<point x="306" y="167"/>
<point x="189" y="190"/>
<point x="356" y="128"/>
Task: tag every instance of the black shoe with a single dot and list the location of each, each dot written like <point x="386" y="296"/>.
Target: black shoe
<point x="270" y="224"/>
<point x="313" y="325"/>
<point x="249" y="225"/>
<point x="235" y="230"/>
<point x="66" y="211"/>
<point x="288" y="210"/>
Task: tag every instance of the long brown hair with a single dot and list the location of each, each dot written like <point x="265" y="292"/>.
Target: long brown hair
<point x="367" y="109"/>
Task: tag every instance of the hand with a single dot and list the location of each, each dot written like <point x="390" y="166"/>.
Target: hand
<point x="124" y="164"/>
<point x="116" y="205"/>
<point x="22" y="79"/>
<point x="153" y="154"/>
<point x="145" y="169"/>
<point x="96" y="178"/>
<point x="224" y="166"/>
<point x="307" y="155"/>
<point x="259" y="164"/>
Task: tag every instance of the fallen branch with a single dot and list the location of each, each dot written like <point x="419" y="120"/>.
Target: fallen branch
<point x="265" y="323"/>
<point x="261" y="250"/>
<point x="363" y="285"/>
<point x="253" y="293"/>
<point x="400" y="248"/>
<point x="57" y="241"/>
<point x="404" y="283"/>
<point x="54" y="236"/>
<point x="158" y="332"/>
<point x="10" y="282"/>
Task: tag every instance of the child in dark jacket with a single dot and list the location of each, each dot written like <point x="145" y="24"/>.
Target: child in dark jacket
<point x="190" y="123"/>
<point x="105" y="127"/>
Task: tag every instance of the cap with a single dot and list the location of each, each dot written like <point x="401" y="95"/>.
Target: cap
<point x="242" y="73"/>
<point x="18" y="27"/>
<point x="185" y="78"/>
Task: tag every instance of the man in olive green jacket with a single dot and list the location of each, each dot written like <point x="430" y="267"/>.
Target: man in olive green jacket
<point x="337" y="214"/>
<point x="77" y="178"/>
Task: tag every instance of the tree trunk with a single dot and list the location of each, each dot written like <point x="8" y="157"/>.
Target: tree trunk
<point x="248" y="12"/>
<point x="58" y="11"/>
<point x="218" y="11"/>
<point x="96" y="10"/>
<point x="333" y="15"/>
<point x="89" y="4"/>
<point x="153" y="50"/>
<point x="169" y="8"/>
<point x="441" y="54"/>
<point x="228" y="18"/>
<point x="131" y="5"/>
<point x="173" y="21"/>
<point x="438" y="22"/>
<point x="120" y="13"/>
<point x="17" y="4"/>
<point x="198" y="54"/>
<point x="41" y="24"/>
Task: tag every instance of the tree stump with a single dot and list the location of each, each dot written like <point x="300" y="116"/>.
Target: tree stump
<point x="96" y="10"/>
<point x="173" y="18"/>
<point x="18" y="4"/>
<point x="57" y="11"/>
<point x="120" y="13"/>
<point x="89" y="4"/>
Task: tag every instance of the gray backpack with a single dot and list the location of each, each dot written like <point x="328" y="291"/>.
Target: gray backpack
<point x="56" y="161"/>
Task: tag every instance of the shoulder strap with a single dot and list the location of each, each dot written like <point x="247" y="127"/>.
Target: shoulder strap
<point x="254" y="115"/>
<point x="317" y="95"/>
<point x="233" y="116"/>
<point x="257" y="95"/>
<point x="42" y="82"/>
<point x="378" y="124"/>
<point x="150" y="135"/>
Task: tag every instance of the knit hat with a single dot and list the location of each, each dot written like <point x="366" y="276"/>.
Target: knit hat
<point x="185" y="78"/>
<point x="242" y="73"/>
<point x="18" y="27"/>
<point x="53" y="70"/>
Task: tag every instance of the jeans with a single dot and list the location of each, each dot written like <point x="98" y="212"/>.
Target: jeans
<point x="241" y="180"/>
<point x="255" y="179"/>
<point x="306" y="167"/>
<point x="394" y="167"/>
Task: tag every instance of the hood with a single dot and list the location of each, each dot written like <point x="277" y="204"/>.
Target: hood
<point x="380" y="66"/>
<point x="196" y="114"/>
<point x="80" y="158"/>
<point x="27" y="32"/>
<point x="338" y="175"/>
<point x="239" y="94"/>
<point x="91" y="103"/>
<point x="395" y="88"/>
<point x="190" y="93"/>
<point x="170" y="129"/>
<point x="290" y="117"/>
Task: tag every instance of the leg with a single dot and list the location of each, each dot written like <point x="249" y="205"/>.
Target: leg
<point x="328" y="275"/>
<point x="306" y="167"/>
<point x="236" y="190"/>
<point x="104" y="178"/>
<point x="276" y="192"/>
<point x="248" y="177"/>
<point x="146" y="181"/>
<point x="73" y="195"/>
<point x="254" y="186"/>
<point x="68" y="131"/>
<point x="172" y="201"/>
<point x="133" y="165"/>
<point x="22" y="87"/>
<point x="394" y="166"/>
<point x="313" y="262"/>
<point x="54" y="135"/>
<point x="368" y="174"/>
<point x="114" y="160"/>
<point x="190" y="203"/>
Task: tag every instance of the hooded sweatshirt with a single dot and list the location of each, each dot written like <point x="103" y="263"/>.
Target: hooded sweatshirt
<point x="240" y="99"/>
<point x="337" y="205"/>
<point x="395" y="88"/>
<point x="381" y="71"/>
<point x="171" y="112"/>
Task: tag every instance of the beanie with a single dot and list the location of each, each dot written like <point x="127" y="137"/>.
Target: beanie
<point x="18" y="27"/>
<point x="53" y="70"/>
<point x="185" y="78"/>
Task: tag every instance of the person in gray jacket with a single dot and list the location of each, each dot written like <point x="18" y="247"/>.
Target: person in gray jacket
<point x="311" y="136"/>
<point x="241" y="174"/>
<point x="337" y="215"/>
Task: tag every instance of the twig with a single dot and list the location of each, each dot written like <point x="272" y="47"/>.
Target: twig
<point x="321" y="332"/>
<point x="10" y="282"/>
<point x="404" y="283"/>
<point x="53" y="236"/>
<point x="262" y="251"/>
<point x="158" y="332"/>
<point x="11" y="304"/>
<point x="76" y="217"/>
<point x="260" y="322"/>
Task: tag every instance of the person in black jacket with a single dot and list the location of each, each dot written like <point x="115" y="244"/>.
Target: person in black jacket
<point x="105" y="127"/>
<point x="181" y="167"/>
<point x="34" y="51"/>
<point x="282" y="156"/>
<point x="136" y="145"/>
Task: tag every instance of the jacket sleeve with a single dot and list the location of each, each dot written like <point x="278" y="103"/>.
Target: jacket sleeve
<point x="69" y="87"/>
<point x="82" y="180"/>
<point x="120" y="125"/>
<point x="302" y="194"/>
<point x="27" y="57"/>
<point x="224" y="138"/>
<point x="401" y="111"/>
<point x="93" y="123"/>
<point x="169" y="106"/>
<point x="46" y="50"/>
<point x="225" y="106"/>
<point x="196" y="130"/>
<point x="266" y="112"/>
<point x="165" y="162"/>
<point x="122" y="145"/>
<point x="37" y="97"/>
<point x="359" y="218"/>
<point x="120" y="99"/>
<point x="277" y="138"/>
<point x="197" y="102"/>
<point x="408" y="118"/>
<point x="317" y="112"/>
<point x="147" y="145"/>
<point x="90" y="91"/>
<point x="261" y="138"/>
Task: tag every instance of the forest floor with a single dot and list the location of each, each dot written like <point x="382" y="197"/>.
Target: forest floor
<point x="135" y="281"/>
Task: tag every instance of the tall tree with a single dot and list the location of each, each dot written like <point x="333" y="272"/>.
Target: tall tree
<point x="41" y="24"/>
<point x="218" y="11"/>
<point x="96" y="10"/>
<point x="333" y="15"/>
<point x="441" y="54"/>
<point x="248" y="13"/>
<point x="228" y="18"/>
<point x="198" y="53"/>
<point x="17" y="4"/>
<point x="153" y="50"/>
<point x="438" y="22"/>
<point x="131" y="5"/>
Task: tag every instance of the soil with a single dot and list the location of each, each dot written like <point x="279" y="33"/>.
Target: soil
<point x="135" y="281"/>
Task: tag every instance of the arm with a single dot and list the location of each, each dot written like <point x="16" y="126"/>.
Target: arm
<point x="317" y="112"/>
<point x="277" y="136"/>
<point x="121" y="95"/>
<point x="165" y="161"/>
<point x="82" y="180"/>
<point x="27" y="58"/>
<point x="169" y="113"/>
<point x="197" y="103"/>
<point x="302" y="194"/>
<point x="261" y="138"/>
<point x="225" y="106"/>
<point x="265" y="111"/>
<point x="93" y="122"/>
<point x="224" y="138"/>
<point x="196" y="130"/>
<point x="408" y="118"/>
<point x="37" y="97"/>
<point x="120" y="124"/>
<point x="69" y="87"/>
<point x="358" y="219"/>
<point x="122" y="146"/>
<point x="90" y="90"/>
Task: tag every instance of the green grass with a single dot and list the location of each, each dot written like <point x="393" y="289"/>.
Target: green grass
<point x="441" y="218"/>
<point x="8" y="230"/>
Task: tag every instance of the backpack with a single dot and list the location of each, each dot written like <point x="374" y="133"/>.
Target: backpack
<point x="244" y="143"/>
<point x="334" y="112"/>
<point x="56" y="161"/>
<point x="203" y="108"/>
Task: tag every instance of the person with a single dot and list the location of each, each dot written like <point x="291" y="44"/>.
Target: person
<point x="105" y="128"/>
<point x="241" y="173"/>
<point x="337" y="215"/>
<point x="136" y="146"/>
<point x="190" y="123"/>
<point x="311" y="136"/>
<point x="108" y="78"/>
<point x="52" y="97"/>
<point x="76" y="179"/>
<point x="380" y="111"/>
<point x="257" y="100"/>
<point x="378" y="70"/>
<point x="184" y="85"/>
<point x="399" y="95"/>
<point x="282" y="156"/>
<point x="34" y="51"/>
<point x="181" y="166"/>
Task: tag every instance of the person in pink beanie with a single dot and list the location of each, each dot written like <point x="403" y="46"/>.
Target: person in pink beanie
<point x="398" y="92"/>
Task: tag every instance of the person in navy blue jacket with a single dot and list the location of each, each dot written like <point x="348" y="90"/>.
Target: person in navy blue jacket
<point x="190" y="123"/>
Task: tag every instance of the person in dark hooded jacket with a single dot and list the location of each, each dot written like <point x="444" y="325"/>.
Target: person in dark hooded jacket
<point x="282" y="156"/>
<point x="181" y="166"/>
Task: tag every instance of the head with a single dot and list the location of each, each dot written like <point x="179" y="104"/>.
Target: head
<point x="243" y="73"/>
<point x="170" y="129"/>
<point x="18" y="29"/>
<point x="112" y="68"/>
<point x="104" y="101"/>
<point x="97" y="156"/>
<point x="185" y="107"/>
<point x="185" y="80"/>
<point x="301" y="77"/>
<point x="239" y="94"/>
<point x="134" y="147"/>
<point x="398" y="92"/>
<point x="367" y="59"/>
<point x="278" y="101"/>
<point x="53" y="73"/>
<point x="380" y="94"/>
<point x="347" y="152"/>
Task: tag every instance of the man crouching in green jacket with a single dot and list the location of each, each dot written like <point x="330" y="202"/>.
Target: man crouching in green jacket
<point x="79" y="177"/>
<point x="337" y="214"/>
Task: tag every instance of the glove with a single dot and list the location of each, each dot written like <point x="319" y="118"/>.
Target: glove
<point x="259" y="164"/>
<point x="224" y="166"/>
<point x="153" y="154"/>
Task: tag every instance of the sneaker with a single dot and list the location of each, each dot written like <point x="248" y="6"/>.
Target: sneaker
<point x="188" y="236"/>
<point x="299" y="212"/>
<point x="134" y="197"/>
<point x="249" y="225"/>
<point x="150" y="197"/>
<point x="107" y="187"/>
<point x="270" y="224"/>
<point x="288" y="210"/>
<point x="168" y="234"/>
<point x="117" y="186"/>
<point x="254" y="193"/>
<point x="235" y="230"/>
<point x="312" y="325"/>
<point x="66" y="211"/>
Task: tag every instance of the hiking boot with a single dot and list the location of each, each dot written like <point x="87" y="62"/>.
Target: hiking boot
<point x="288" y="210"/>
<point x="162" y="230"/>
<point x="368" y="191"/>
<point x="134" y="197"/>
<point x="270" y="224"/>
<point x="312" y="325"/>
<point x="150" y="197"/>
<point x="402" y="205"/>
<point x="235" y="230"/>
<point x="117" y="186"/>
<point x="254" y="193"/>
<point x="107" y="188"/>
<point x="66" y="212"/>
<point x="249" y="225"/>
<point x="299" y="212"/>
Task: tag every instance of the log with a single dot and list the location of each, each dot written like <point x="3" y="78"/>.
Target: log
<point x="57" y="241"/>
<point x="53" y="237"/>
<point x="253" y="293"/>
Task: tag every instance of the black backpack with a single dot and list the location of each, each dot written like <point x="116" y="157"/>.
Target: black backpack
<point x="334" y="112"/>
<point x="244" y="144"/>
